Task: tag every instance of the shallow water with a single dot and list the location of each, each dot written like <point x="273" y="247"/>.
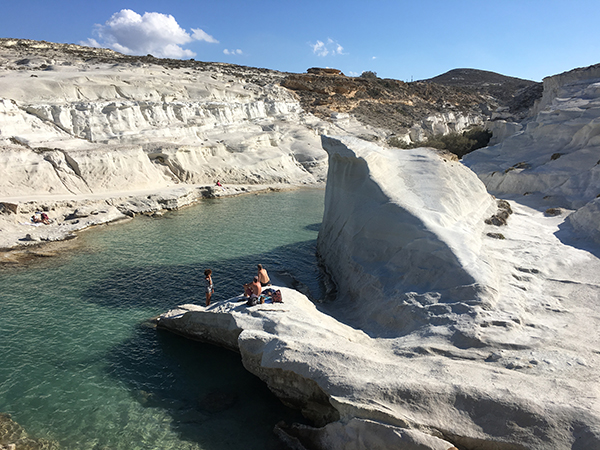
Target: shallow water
<point x="80" y="364"/>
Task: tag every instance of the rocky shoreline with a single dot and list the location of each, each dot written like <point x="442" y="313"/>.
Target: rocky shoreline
<point x="452" y="340"/>
<point x="276" y="347"/>
<point x="445" y="332"/>
<point x="21" y="240"/>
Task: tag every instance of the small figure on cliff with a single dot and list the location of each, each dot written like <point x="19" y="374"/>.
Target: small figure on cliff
<point x="42" y="219"/>
<point x="209" y="285"/>
<point x="220" y="185"/>
<point x="263" y="276"/>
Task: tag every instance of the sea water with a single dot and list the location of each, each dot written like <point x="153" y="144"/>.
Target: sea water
<point x="80" y="363"/>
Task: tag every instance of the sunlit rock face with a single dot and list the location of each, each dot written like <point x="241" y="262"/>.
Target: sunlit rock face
<point x="403" y="228"/>
<point x="79" y="120"/>
<point x="557" y="153"/>
<point x="440" y="336"/>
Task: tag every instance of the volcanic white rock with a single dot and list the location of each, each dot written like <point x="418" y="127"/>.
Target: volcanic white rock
<point x="81" y="125"/>
<point x="508" y="361"/>
<point x="557" y="154"/>
<point x="447" y="330"/>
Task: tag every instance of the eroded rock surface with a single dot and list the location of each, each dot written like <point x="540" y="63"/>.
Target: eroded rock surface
<point x="556" y="156"/>
<point x="75" y="120"/>
<point x="408" y="237"/>
<point x="502" y="354"/>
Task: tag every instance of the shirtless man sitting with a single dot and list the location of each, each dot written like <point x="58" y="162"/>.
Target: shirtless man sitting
<point x="253" y="288"/>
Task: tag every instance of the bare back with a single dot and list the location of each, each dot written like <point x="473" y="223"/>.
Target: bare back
<point x="263" y="277"/>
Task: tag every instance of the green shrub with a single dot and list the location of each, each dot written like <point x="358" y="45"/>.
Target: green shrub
<point x="398" y="143"/>
<point x="480" y="135"/>
<point x="458" y="143"/>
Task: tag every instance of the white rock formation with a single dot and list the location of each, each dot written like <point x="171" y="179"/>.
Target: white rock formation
<point x="557" y="154"/>
<point x="145" y="127"/>
<point x="409" y="235"/>
<point x="311" y="362"/>
<point x="428" y="361"/>
<point x="441" y="336"/>
<point x="443" y="123"/>
<point x="80" y="124"/>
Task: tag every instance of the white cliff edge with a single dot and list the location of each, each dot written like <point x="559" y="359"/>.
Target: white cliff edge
<point x="557" y="154"/>
<point x="408" y="237"/>
<point x="499" y="355"/>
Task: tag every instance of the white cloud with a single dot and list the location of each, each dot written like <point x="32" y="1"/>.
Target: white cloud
<point x="321" y="48"/>
<point x="201" y="35"/>
<point x="232" y="52"/>
<point x="90" y="43"/>
<point x="153" y="33"/>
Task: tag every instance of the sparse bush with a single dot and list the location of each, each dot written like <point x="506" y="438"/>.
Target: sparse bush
<point x="395" y="141"/>
<point x="368" y="74"/>
<point x="480" y="135"/>
<point x="553" y="212"/>
<point x="460" y="143"/>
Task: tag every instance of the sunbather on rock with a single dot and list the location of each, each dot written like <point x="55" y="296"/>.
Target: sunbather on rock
<point x="253" y="288"/>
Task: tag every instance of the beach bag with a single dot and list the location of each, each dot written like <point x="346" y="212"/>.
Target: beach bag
<point x="253" y="300"/>
<point x="276" y="296"/>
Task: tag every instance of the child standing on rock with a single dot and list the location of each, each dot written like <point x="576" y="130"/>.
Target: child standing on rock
<point x="209" y="285"/>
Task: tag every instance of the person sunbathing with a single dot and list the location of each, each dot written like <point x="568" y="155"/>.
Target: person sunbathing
<point x="42" y="219"/>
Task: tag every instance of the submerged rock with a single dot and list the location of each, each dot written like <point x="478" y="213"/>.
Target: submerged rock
<point x="14" y="437"/>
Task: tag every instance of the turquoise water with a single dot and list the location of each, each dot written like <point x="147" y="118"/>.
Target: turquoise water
<point x="81" y="365"/>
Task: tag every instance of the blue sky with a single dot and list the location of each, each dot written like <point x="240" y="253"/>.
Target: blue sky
<point x="405" y="40"/>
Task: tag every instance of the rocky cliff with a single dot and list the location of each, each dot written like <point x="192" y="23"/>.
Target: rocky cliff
<point x="475" y="318"/>
<point x="408" y="237"/>
<point x="445" y="333"/>
<point x="555" y="157"/>
<point x="88" y="127"/>
<point x="76" y="120"/>
<point x="412" y="112"/>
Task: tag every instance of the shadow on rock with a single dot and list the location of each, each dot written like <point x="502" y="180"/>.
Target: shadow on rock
<point x="569" y="236"/>
<point x="313" y="227"/>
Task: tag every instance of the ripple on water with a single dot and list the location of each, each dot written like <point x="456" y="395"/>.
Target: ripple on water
<point x="80" y="368"/>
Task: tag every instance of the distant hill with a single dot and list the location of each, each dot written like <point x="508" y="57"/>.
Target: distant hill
<point x="481" y="78"/>
<point x="518" y="94"/>
<point x="397" y="106"/>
